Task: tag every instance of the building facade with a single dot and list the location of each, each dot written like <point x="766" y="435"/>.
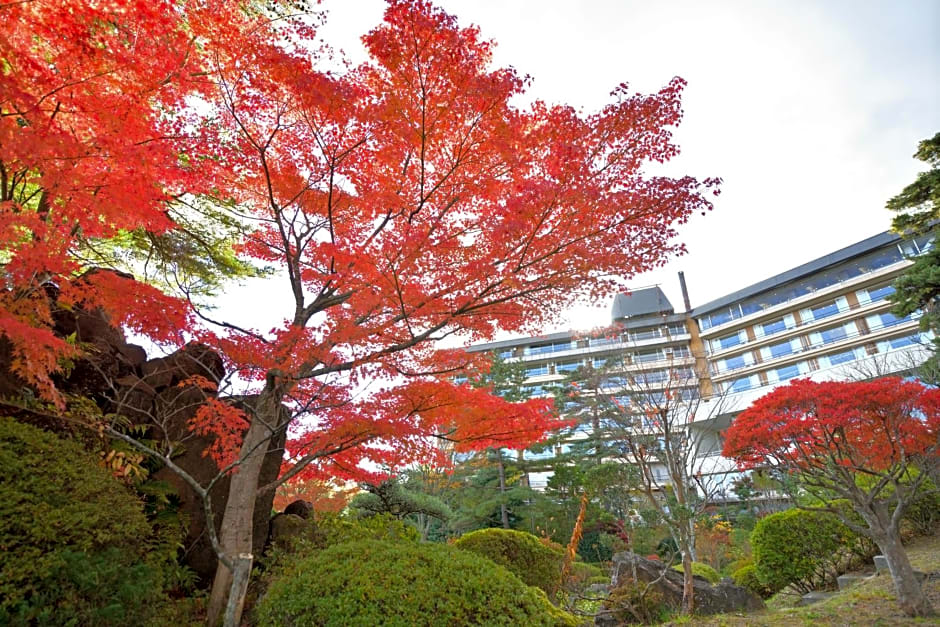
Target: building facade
<point x="825" y="320"/>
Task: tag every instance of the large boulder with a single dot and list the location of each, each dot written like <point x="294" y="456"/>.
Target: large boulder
<point x="176" y="406"/>
<point x="162" y="394"/>
<point x="301" y="508"/>
<point x="709" y="599"/>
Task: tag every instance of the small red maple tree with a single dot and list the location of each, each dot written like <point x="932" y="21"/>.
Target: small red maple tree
<point x="874" y="443"/>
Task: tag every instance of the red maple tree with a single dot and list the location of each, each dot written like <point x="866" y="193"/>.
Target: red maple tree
<point x="404" y="201"/>
<point x="874" y="443"/>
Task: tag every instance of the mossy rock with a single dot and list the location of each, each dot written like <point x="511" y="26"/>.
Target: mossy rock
<point x="704" y="571"/>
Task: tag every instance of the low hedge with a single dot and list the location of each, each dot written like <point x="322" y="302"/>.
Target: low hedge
<point x="521" y="553"/>
<point x="372" y="582"/>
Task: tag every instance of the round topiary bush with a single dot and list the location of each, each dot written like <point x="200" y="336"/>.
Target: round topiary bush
<point x="73" y="540"/>
<point x="702" y="570"/>
<point x="797" y="547"/>
<point x="371" y="582"/>
<point x="521" y="553"/>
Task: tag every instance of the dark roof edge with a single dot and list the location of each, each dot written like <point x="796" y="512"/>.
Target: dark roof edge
<point x="633" y="323"/>
<point x="844" y="254"/>
<point x="521" y="341"/>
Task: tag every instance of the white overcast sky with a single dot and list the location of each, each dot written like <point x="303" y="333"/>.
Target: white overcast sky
<point x="809" y="111"/>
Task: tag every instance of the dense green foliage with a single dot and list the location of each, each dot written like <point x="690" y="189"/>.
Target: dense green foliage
<point x="797" y="547"/>
<point x="391" y="497"/>
<point x="918" y="287"/>
<point x="370" y="582"/>
<point x="329" y="529"/>
<point x="75" y="545"/>
<point x="746" y="577"/>
<point x="598" y="546"/>
<point x="923" y="514"/>
<point x="521" y="553"/>
<point x="336" y="529"/>
<point x="918" y="204"/>
<point x="702" y="570"/>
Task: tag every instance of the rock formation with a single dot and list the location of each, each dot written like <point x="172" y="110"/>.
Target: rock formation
<point x="709" y="599"/>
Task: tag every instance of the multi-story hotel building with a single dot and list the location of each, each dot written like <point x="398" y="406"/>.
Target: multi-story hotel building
<point x="826" y="319"/>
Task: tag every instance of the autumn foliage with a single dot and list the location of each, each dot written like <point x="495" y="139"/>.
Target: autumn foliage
<point x="872" y="444"/>
<point x="403" y="201"/>
<point x="862" y="427"/>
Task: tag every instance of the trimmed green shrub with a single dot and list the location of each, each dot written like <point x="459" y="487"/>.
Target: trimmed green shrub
<point x="370" y="582"/>
<point x="330" y="529"/>
<point x="521" y="553"/>
<point x="798" y="547"/>
<point x="746" y="577"/>
<point x="338" y="529"/>
<point x="581" y="571"/>
<point x="702" y="570"/>
<point x="73" y="540"/>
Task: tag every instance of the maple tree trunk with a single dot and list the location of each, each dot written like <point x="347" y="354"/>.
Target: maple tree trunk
<point x="503" y="511"/>
<point x="910" y="592"/>
<point x="688" y="590"/>
<point x="236" y="534"/>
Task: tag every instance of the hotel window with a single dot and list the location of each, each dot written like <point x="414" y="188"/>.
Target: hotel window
<point x="834" y="334"/>
<point x="824" y="310"/>
<point x="604" y="341"/>
<point x="554" y="347"/>
<point x="621" y="402"/>
<point x="654" y="376"/>
<point x="899" y="342"/>
<point x="647" y="334"/>
<point x="735" y="363"/>
<point x="717" y="318"/>
<point x="839" y="358"/>
<point x="775" y="326"/>
<point x="537" y="371"/>
<point x="567" y="366"/>
<point x="924" y="243"/>
<point x="505" y="354"/>
<point x="644" y="357"/>
<point x="677" y="329"/>
<point x="887" y="319"/>
<point x="873" y="294"/>
<point x="788" y="372"/>
<point x="534" y="390"/>
<point x="728" y="341"/>
<point x="742" y="384"/>
<point x="779" y="350"/>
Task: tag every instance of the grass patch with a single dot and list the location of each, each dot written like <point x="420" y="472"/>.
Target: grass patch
<point x="870" y="602"/>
